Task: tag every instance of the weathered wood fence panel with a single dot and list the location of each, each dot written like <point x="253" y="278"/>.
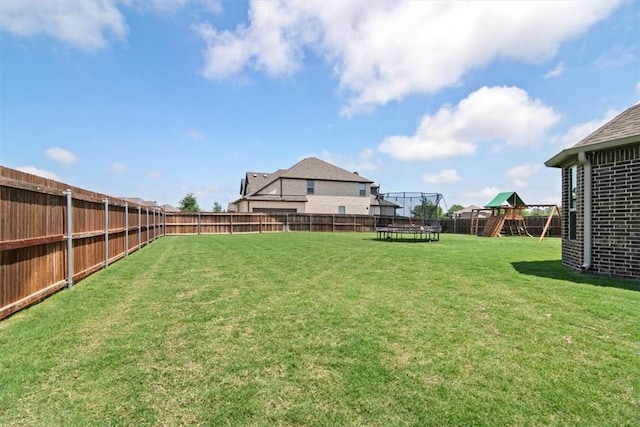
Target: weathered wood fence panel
<point x="38" y="255"/>
<point x="535" y="225"/>
<point x="230" y="223"/>
<point x="35" y="260"/>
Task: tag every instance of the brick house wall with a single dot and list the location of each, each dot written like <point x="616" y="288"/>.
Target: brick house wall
<point x="613" y="153"/>
<point x="616" y="212"/>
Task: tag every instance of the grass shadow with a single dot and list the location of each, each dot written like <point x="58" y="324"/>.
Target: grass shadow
<point x="553" y="269"/>
<point x="401" y="240"/>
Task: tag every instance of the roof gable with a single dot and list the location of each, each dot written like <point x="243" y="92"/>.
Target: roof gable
<point x="623" y="125"/>
<point x="255" y="181"/>
<point x="314" y="168"/>
<point x="506" y="199"/>
<point x="623" y="130"/>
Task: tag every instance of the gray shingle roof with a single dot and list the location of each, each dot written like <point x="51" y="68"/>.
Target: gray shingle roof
<point x="622" y="130"/>
<point x="314" y="168"/>
<point x="624" y="125"/>
<point x="139" y="201"/>
<point x="277" y="198"/>
<point x="257" y="180"/>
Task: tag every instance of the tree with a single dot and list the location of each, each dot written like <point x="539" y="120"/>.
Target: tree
<point x="189" y="204"/>
<point x="426" y="209"/>
<point x="537" y="212"/>
<point x="217" y="207"/>
<point x="453" y="209"/>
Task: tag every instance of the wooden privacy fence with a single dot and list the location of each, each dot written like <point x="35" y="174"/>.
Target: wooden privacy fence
<point x="230" y="223"/>
<point x="534" y="224"/>
<point x="52" y="235"/>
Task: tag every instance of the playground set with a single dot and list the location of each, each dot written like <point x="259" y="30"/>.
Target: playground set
<point x="506" y="216"/>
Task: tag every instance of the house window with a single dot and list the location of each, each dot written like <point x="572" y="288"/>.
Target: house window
<point x="363" y="189"/>
<point x="310" y="183"/>
<point x="573" y="195"/>
<point x="342" y="210"/>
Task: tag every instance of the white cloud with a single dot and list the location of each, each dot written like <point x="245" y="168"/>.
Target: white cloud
<point x="40" y="172"/>
<point x="557" y="71"/>
<point x="520" y="183"/>
<point x="366" y="153"/>
<point x="118" y="167"/>
<point x="172" y="6"/>
<point x="167" y="7"/>
<point x="638" y="88"/>
<point x="61" y="155"/>
<point x="490" y="114"/>
<point x="445" y="176"/>
<point x="578" y="132"/>
<point x="387" y="50"/>
<point x="524" y="170"/>
<point x="617" y="56"/>
<point x="487" y="193"/>
<point x="210" y="191"/>
<point x="193" y="135"/>
<point x="85" y="24"/>
<point x="155" y="175"/>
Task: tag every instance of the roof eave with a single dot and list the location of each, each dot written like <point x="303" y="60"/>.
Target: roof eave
<point x="568" y="156"/>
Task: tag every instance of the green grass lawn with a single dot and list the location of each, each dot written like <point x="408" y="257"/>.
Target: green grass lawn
<point x="328" y="329"/>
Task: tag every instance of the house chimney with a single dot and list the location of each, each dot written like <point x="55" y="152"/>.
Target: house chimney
<point x="356" y="173"/>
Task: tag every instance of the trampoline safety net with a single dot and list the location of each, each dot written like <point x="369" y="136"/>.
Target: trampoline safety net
<point x="420" y="206"/>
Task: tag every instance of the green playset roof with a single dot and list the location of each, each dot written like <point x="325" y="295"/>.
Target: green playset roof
<point x="506" y="199"/>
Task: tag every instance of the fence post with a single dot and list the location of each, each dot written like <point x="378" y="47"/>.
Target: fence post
<point x="69" y="238"/>
<point x="147" y="227"/>
<point x="139" y="226"/>
<point x="106" y="232"/>
<point x="126" y="229"/>
<point x="260" y="226"/>
<point x="199" y="218"/>
<point x="310" y="222"/>
<point x="154" y="224"/>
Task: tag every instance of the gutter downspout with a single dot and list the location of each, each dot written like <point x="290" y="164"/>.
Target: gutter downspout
<point x="584" y="161"/>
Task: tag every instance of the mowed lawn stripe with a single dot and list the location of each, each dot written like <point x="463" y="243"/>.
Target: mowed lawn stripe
<point x="326" y="329"/>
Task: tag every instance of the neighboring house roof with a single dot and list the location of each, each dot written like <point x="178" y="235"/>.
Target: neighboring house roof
<point x="256" y="181"/>
<point x="274" y="197"/>
<point x="506" y="199"/>
<point x="622" y="130"/>
<point x="376" y="201"/>
<point x="309" y="168"/>
<point x="139" y="201"/>
<point x="467" y="210"/>
<point x="169" y="208"/>
<point x="314" y="168"/>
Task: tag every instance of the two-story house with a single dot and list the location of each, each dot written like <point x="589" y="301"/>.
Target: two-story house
<point x="310" y="186"/>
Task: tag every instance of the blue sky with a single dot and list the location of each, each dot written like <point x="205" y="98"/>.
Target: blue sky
<point x="157" y="99"/>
